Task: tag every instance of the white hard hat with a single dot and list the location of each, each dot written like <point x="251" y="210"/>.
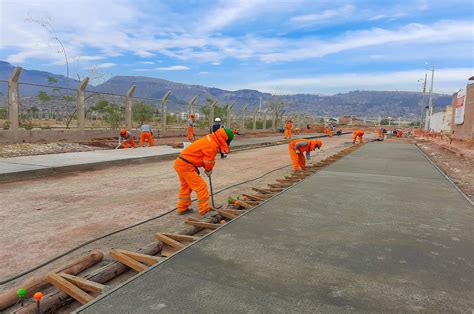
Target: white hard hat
<point x="217" y="119"/>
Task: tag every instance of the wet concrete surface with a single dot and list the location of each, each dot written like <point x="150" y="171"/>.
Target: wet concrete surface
<point x="381" y="230"/>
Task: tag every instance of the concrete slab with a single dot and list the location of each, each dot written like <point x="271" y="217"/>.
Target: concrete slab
<point x="19" y="168"/>
<point x="389" y="235"/>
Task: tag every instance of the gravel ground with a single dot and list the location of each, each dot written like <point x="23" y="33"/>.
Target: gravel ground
<point x="28" y="149"/>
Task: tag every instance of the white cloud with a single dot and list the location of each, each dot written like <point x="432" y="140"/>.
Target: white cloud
<point x="324" y="15"/>
<point x="144" y="54"/>
<point x="377" y="17"/>
<point x="105" y="65"/>
<point x="203" y="72"/>
<point x="170" y="68"/>
<point x="446" y="80"/>
<point x="146" y="62"/>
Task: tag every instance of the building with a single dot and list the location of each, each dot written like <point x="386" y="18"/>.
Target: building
<point x="441" y="121"/>
<point x="462" y="120"/>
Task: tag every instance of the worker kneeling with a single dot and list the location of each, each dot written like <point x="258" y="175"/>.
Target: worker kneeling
<point x="298" y="147"/>
<point x="201" y="153"/>
<point x="357" y="134"/>
<point x="126" y="139"/>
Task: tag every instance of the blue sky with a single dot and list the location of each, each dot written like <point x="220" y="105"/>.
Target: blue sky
<point x="298" y="46"/>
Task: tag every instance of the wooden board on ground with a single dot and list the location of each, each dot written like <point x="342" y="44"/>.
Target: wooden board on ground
<point x="171" y="242"/>
<point x="142" y="258"/>
<point x="127" y="260"/>
<point x="70" y="289"/>
<point x="179" y="237"/>
<point x="168" y="250"/>
<point x="201" y="224"/>
<point x="83" y="283"/>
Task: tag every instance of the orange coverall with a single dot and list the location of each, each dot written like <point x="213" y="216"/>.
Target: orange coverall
<point x="288" y="127"/>
<point x="127" y="140"/>
<point x="357" y="134"/>
<point x="191" y="130"/>
<point x="302" y="146"/>
<point x="201" y="153"/>
<point x="380" y="132"/>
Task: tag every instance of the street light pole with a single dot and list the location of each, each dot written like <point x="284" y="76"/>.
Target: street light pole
<point x="423" y="102"/>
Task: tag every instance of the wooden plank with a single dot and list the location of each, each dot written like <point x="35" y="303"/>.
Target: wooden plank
<point x="142" y="258"/>
<point x="254" y="197"/>
<point x="226" y="214"/>
<point x="179" y="237"/>
<point x="263" y="191"/>
<point x="193" y="219"/>
<point x="127" y="260"/>
<point x="201" y="224"/>
<point x="279" y="185"/>
<point x="70" y="289"/>
<point x="171" y="242"/>
<point x="83" y="283"/>
<point x="40" y="282"/>
<point x="235" y="212"/>
<point x="285" y="181"/>
<point x="168" y="250"/>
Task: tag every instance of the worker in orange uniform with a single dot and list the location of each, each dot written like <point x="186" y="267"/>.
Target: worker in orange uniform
<point x="297" y="148"/>
<point x="288" y="127"/>
<point x="191" y="121"/>
<point x="357" y="134"/>
<point x="201" y="153"/>
<point x="380" y="131"/>
<point x="399" y="133"/>
<point x="147" y="135"/>
<point x="126" y="139"/>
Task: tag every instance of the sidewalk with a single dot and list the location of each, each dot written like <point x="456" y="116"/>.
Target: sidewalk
<point x="28" y="167"/>
<point x="380" y="230"/>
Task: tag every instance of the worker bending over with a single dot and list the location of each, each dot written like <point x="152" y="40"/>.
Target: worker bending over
<point x="201" y="153"/>
<point x="357" y="134"/>
<point x="296" y="149"/>
<point x="288" y="127"/>
<point x="126" y="139"/>
<point x="191" y="121"/>
<point x="147" y="135"/>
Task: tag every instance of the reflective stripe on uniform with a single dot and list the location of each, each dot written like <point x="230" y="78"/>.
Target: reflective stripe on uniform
<point x="203" y="200"/>
<point x="209" y="161"/>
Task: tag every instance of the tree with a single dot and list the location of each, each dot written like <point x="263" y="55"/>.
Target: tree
<point x="142" y="112"/>
<point x="113" y="113"/>
<point x="219" y="112"/>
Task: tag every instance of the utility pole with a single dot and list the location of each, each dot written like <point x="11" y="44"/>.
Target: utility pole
<point x="430" y="100"/>
<point x="423" y="101"/>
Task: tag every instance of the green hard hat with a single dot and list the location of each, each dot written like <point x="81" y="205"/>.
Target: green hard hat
<point x="230" y="135"/>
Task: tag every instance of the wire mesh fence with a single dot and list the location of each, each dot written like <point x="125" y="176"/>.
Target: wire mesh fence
<point x="46" y="107"/>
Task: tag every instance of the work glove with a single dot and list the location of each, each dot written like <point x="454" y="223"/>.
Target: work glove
<point x="208" y="173"/>
<point x="297" y="151"/>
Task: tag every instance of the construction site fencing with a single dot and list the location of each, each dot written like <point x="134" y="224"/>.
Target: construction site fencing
<point x="4" y="105"/>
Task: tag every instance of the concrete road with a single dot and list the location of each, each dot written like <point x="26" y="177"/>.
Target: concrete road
<point x="381" y="230"/>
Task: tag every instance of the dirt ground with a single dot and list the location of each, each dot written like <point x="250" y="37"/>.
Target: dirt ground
<point x="44" y="217"/>
<point x="459" y="168"/>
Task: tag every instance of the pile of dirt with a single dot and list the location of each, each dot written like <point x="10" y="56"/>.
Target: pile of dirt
<point x="28" y="149"/>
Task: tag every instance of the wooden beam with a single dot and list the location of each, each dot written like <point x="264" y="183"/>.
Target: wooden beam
<point x="202" y="224"/>
<point x="127" y="260"/>
<point x="142" y="258"/>
<point x="83" y="283"/>
<point x="235" y="212"/>
<point x="70" y="289"/>
<point x="179" y="237"/>
<point x="279" y="185"/>
<point x="226" y="214"/>
<point x="254" y="197"/>
<point x="263" y="191"/>
<point x="171" y="242"/>
<point x="264" y="196"/>
<point x="40" y="282"/>
<point x="285" y="181"/>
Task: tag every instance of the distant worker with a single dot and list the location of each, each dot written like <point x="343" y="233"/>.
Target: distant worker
<point x="191" y="122"/>
<point x="216" y="126"/>
<point x="357" y="134"/>
<point x="330" y="131"/>
<point x="399" y="133"/>
<point x="297" y="131"/>
<point x="126" y="139"/>
<point x="201" y="153"/>
<point x="288" y="127"/>
<point x="296" y="149"/>
<point x="339" y="132"/>
<point x="380" y="131"/>
<point x="147" y="135"/>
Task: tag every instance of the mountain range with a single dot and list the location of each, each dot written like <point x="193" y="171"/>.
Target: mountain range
<point x="357" y="103"/>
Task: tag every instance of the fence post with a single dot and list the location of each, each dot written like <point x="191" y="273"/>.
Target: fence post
<point x="128" y="107"/>
<point x="190" y="106"/>
<point x="164" y="101"/>
<point x="14" y="102"/>
<point x="273" y="120"/>
<point x="80" y="105"/>
<point x="211" y="114"/>
<point x="255" y="119"/>
<point x="242" y="123"/>
<point x="229" y="117"/>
